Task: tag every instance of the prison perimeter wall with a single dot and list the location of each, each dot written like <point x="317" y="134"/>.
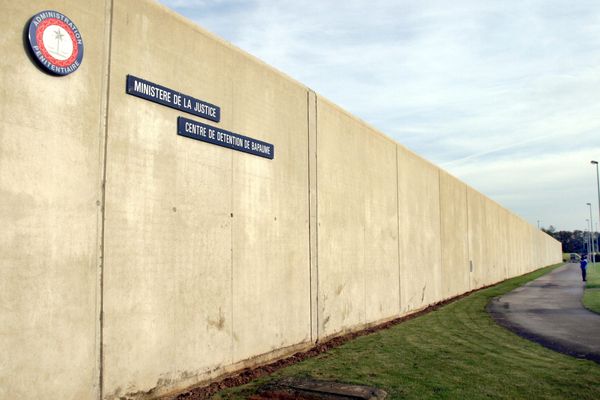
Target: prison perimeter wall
<point x="135" y="261"/>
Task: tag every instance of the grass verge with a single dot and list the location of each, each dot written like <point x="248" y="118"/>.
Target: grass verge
<point x="591" y="296"/>
<point x="456" y="352"/>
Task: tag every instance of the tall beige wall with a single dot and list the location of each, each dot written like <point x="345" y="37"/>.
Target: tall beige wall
<point x="148" y="261"/>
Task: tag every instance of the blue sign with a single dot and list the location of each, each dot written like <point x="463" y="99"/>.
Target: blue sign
<point x="55" y="42"/>
<point x="171" y="98"/>
<point x="220" y="137"/>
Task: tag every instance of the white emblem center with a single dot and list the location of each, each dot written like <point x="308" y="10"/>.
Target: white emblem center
<point x="58" y="42"/>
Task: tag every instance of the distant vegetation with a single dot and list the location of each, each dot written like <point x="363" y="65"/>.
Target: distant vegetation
<point x="572" y="242"/>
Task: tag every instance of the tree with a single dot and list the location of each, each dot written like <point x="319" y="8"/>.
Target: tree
<point x="572" y="242"/>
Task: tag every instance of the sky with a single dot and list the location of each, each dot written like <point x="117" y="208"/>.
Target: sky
<point x="504" y="95"/>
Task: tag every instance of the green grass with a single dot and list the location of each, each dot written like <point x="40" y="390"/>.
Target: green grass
<point x="591" y="296"/>
<point x="456" y="352"/>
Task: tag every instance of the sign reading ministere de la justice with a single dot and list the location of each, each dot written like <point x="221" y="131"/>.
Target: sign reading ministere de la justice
<point x="171" y="98"/>
<point x="192" y="129"/>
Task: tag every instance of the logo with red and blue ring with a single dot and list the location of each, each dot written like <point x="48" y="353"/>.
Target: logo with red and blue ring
<point x="55" y="42"/>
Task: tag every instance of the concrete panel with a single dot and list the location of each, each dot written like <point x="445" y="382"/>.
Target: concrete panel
<point x="271" y="258"/>
<point x="521" y="238"/>
<point x="204" y="244"/>
<point x="381" y="272"/>
<point x="516" y="233"/>
<point x="454" y="236"/>
<point x="506" y="253"/>
<point x="357" y="219"/>
<point x="168" y="276"/>
<point x="512" y="239"/>
<point x="479" y="266"/>
<point x="51" y="134"/>
<point x="504" y="256"/>
<point x="534" y="261"/>
<point x="419" y="238"/>
<point x="542" y="256"/>
<point x="494" y="241"/>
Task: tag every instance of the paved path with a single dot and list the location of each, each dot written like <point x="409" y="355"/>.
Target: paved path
<point x="548" y="310"/>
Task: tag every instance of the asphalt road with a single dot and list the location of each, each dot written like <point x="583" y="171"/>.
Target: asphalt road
<point x="549" y="311"/>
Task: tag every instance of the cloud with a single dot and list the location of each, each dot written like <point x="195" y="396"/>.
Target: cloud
<point x="533" y="186"/>
<point x="478" y="87"/>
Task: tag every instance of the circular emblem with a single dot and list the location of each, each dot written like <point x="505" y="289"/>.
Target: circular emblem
<point x="55" y="42"/>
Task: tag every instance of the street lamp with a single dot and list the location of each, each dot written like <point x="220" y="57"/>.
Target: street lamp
<point x="598" y="187"/>
<point x="597" y="239"/>
<point x="586" y="242"/>
<point x="591" y="229"/>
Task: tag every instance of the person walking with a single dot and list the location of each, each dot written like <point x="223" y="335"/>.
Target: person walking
<point x="583" y="265"/>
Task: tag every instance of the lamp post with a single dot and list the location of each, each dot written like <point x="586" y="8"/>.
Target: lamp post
<point x="598" y="187"/>
<point x="597" y="239"/>
<point x="586" y="241"/>
<point x="538" y="224"/>
<point x="591" y="229"/>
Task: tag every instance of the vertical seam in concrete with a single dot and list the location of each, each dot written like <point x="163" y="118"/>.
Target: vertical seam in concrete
<point x="105" y="105"/>
<point x="441" y="236"/>
<point x="398" y="236"/>
<point x="312" y="215"/>
<point x="316" y="161"/>
<point x="366" y="261"/>
<point x="310" y="225"/>
<point x="469" y="263"/>
<point x="507" y="245"/>
<point x="485" y="247"/>
<point x="231" y="271"/>
<point x="231" y="232"/>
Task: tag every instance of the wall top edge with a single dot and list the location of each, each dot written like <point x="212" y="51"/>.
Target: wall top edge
<point x="198" y="28"/>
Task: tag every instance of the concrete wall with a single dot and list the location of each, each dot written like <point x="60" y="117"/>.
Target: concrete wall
<point x="419" y="224"/>
<point x="51" y="153"/>
<point x="454" y="236"/>
<point x="134" y="261"/>
<point x="205" y="247"/>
